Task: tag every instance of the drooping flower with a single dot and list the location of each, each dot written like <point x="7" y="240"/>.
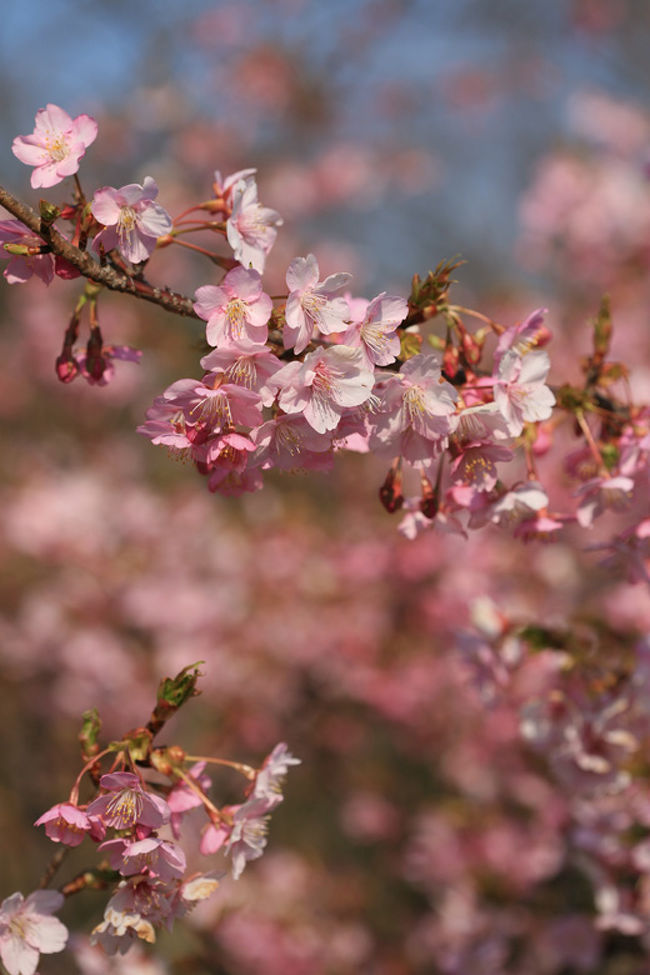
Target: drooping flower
<point x="245" y="365"/>
<point x="248" y="836"/>
<point x="159" y="858"/>
<point x="311" y="305"/>
<point x="251" y="226"/>
<point x="269" y="779"/>
<point x="237" y="310"/>
<point x="65" y="823"/>
<point x="290" y="443"/>
<point x="56" y="145"/>
<point x="328" y="382"/>
<point x="119" y="929"/>
<point x="27" y="929"/>
<point x="132" y="221"/>
<point x="127" y="805"/>
<point x="526" y="335"/>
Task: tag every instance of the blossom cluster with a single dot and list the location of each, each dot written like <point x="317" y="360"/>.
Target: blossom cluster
<point x="125" y="819"/>
<point x="463" y="419"/>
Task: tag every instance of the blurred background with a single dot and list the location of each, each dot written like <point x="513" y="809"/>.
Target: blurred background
<point x="419" y="835"/>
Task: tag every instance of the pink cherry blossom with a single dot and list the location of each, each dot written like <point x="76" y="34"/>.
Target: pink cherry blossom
<point x="603" y="493"/>
<point x="159" y="858"/>
<point x="237" y="310"/>
<point x="245" y="365"/>
<point x="56" y="145"/>
<point x="524" y="501"/>
<point x="290" y="443"/>
<point x="127" y="805"/>
<point x="251" y="226"/>
<point x="225" y="186"/>
<point x="27" y="930"/>
<point x="375" y="333"/>
<point x="417" y="410"/>
<point x="119" y="929"/>
<point x="248" y="837"/>
<point x="311" y="305"/>
<point x="65" y="823"/>
<point x="108" y="354"/>
<point x="328" y="382"/>
<point x="269" y="779"/>
<point x="526" y="335"/>
<point x="476" y="464"/>
<point x="132" y="221"/>
<point x="520" y="392"/>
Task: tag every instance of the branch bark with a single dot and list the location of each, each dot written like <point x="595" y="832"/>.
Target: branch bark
<point x="90" y="268"/>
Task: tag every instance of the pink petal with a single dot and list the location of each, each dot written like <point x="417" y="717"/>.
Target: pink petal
<point x="54" y="119"/>
<point x="28" y="151"/>
<point x="105" y="207"/>
<point x="84" y="130"/>
<point x="302" y="273"/>
<point x="154" y="221"/>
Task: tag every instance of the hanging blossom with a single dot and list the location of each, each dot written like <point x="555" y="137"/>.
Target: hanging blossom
<point x="126" y="804"/>
<point x="311" y="305"/>
<point x="55" y="146"/>
<point x="132" y="221"/>
<point x="28" y="930"/>
<point x="251" y="226"/>
<point x="237" y="310"/>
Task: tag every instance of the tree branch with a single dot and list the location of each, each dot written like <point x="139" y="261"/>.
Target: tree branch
<point x="89" y="267"/>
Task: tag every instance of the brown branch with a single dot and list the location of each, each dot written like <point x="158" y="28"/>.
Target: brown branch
<point x="89" y="267"/>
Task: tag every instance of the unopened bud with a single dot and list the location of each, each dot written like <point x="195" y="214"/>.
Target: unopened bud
<point x="66" y="368"/>
<point x="390" y="493"/>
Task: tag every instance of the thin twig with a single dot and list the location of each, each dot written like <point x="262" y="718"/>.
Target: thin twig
<point x="89" y="267"/>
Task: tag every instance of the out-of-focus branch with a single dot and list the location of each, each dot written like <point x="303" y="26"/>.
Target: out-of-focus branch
<point x="89" y="267"/>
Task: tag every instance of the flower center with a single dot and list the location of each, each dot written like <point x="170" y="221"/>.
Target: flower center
<point x="126" y="225"/>
<point x="374" y="337"/>
<point x="312" y="305"/>
<point x="236" y="315"/>
<point x="56" y="146"/>
<point x="414" y="402"/>
<point x="125" y="808"/>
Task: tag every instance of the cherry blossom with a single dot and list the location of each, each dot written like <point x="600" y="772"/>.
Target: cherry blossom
<point x="126" y="804"/>
<point x="245" y="365"/>
<point x="27" y="930"/>
<point x="269" y="779"/>
<point x="375" y="332"/>
<point x="56" y="145"/>
<point x="65" y="823"/>
<point x="237" y="310"/>
<point x="417" y="409"/>
<point x="132" y="220"/>
<point x="290" y="443"/>
<point x="248" y="837"/>
<point x="520" y="392"/>
<point x="251" y="226"/>
<point x="324" y="385"/>
<point x="310" y="305"/>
